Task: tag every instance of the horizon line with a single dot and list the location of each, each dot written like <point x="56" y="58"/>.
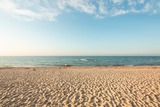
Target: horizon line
<point x="76" y="55"/>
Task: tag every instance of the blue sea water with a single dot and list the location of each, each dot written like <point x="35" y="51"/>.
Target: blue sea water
<point x="79" y="60"/>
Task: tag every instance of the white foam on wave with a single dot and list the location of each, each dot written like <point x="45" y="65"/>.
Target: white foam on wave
<point x="83" y="59"/>
<point x="87" y="60"/>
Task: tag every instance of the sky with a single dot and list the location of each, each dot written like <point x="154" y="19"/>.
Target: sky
<point x="80" y="28"/>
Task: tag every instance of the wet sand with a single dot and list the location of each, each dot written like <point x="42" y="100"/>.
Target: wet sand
<point x="80" y="86"/>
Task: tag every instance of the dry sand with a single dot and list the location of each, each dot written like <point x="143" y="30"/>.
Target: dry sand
<point x="80" y="86"/>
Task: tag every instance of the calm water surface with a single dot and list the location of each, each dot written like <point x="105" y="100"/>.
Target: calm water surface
<point x="79" y="60"/>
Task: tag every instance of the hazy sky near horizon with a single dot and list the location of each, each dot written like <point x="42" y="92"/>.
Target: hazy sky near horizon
<point x="79" y="27"/>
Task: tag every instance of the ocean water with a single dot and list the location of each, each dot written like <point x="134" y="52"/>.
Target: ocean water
<point x="79" y="60"/>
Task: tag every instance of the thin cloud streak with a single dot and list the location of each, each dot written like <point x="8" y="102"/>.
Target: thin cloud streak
<point x="50" y="9"/>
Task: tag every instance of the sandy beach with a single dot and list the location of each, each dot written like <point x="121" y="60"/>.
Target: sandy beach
<point x="80" y="86"/>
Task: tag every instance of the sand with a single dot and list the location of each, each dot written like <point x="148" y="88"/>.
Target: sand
<point x="80" y="86"/>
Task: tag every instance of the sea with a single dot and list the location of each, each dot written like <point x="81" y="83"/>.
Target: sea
<point x="49" y="61"/>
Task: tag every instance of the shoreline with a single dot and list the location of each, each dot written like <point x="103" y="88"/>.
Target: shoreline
<point x="157" y="66"/>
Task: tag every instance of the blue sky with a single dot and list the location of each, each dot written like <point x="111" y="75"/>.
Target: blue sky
<point x="79" y="27"/>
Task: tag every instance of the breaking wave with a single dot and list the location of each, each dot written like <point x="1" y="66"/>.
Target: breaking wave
<point x="87" y="60"/>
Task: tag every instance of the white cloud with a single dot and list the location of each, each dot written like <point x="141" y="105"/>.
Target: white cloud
<point x="62" y="4"/>
<point x="83" y="5"/>
<point x="131" y="2"/>
<point x="117" y="1"/>
<point x="37" y="12"/>
<point x="102" y="7"/>
<point x="119" y="12"/>
<point x="141" y="1"/>
<point x="147" y="7"/>
<point x="158" y="4"/>
<point x="50" y="9"/>
<point x="7" y="5"/>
